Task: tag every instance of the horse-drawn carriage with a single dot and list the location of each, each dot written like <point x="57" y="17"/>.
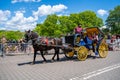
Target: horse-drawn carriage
<point x="79" y="44"/>
<point x="82" y="44"/>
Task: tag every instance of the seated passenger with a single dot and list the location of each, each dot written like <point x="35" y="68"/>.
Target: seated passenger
<point x="95" y="37"/>
<point x="90" y="37"/>
<point x="95" y="46"/>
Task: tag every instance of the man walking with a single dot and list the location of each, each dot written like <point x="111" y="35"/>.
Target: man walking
<point x="3" y="43"/>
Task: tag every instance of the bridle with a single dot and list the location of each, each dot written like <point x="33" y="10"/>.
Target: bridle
<point x="28" y="35"/>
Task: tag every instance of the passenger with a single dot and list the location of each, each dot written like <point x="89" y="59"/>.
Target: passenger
<point x="78" y="29"/>
<point x="95" y="41"/>
<point x="95" y="37"/>
<point x="90" y="37"/>
<point x="89" y="40"/>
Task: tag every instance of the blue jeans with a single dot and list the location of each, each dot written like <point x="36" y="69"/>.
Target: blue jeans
<point x="95" y="47"/>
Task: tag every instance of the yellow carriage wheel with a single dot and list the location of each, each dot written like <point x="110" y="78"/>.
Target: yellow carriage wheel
<point x="103" y="50"/>
<point x="69" y="54"/>
<point x="82" y="53"/>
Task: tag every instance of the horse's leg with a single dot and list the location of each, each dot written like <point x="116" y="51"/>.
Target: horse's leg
<point x="57" y="52"/>
<point x="54" y="55"/>
<point x="35" y="52"/>
<point x="43" y="56"/>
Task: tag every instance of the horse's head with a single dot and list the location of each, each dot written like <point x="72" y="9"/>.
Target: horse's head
<point x="27" y="36"/>
<point x="30" y="35"/>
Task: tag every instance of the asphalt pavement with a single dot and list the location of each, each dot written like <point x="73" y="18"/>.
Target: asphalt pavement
<point x="18" y="67"/>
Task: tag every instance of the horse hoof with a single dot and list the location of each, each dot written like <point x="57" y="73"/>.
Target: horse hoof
<point x="44" y="62"/>
<point x="94" y="57"/>
<point x="58" y="59"/>
<point x="52" y="60"/>
<point x="32" y="63"/>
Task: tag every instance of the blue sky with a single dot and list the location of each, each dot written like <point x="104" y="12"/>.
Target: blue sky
<point x="25" y="14"/>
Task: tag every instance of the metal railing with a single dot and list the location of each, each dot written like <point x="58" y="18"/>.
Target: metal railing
<point x="15" y="48"/>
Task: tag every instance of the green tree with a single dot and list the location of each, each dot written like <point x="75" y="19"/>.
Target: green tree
<point x="89" y="19"/>
<point x="67" y="25"/>
<point x="14" y="35"/>
<point x="50" y="25"/>
<point x="56" y="25"/>
<point x="75" y="18"/>
<point x="10" y="35"/>
<point x="113" y="20"/>
<point x="39" y="29"/>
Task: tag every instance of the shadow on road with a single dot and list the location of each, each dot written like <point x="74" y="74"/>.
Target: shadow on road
<point x="48" y="61"/>
<point x="63" y="59"/>
<point x="36" y="62"/>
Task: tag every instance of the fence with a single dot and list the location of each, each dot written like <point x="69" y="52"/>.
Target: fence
<point x="16" y="48"/>
<point x="25" y="48"/>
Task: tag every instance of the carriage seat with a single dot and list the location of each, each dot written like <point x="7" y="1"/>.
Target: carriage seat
<point x="78" y="40"/>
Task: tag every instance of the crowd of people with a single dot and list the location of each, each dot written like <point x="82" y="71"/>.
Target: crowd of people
<point x="13" y="46"/>
<point x="114" y="42"/>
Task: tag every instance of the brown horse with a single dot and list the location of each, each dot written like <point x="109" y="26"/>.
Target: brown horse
<point x="42" y="44"/>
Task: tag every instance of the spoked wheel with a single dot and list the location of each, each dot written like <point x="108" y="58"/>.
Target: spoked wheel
<point x="103" y="50"/>
<point x="69" y="54"/>
<point x="82" y="53"/>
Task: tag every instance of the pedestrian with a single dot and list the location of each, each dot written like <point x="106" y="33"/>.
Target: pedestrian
<point x="3" y="44"/>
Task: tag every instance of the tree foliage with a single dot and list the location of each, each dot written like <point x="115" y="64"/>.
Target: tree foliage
<point x="11" y="35"/>
<point x="113" y="20"/>
<point x="56" y="25"/>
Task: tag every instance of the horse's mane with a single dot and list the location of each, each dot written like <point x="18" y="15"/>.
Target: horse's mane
<point x="35" y="35"/>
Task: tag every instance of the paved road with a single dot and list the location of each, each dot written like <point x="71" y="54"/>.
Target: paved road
<point x="19" y="68"/>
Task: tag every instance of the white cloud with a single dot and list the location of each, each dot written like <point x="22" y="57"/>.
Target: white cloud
<point x="4" y="15"/>
<point x="19" y="22"/>
<point x="15" y="1"/>
<point x="48" y="9"/>
<point x="102" y="12"/>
